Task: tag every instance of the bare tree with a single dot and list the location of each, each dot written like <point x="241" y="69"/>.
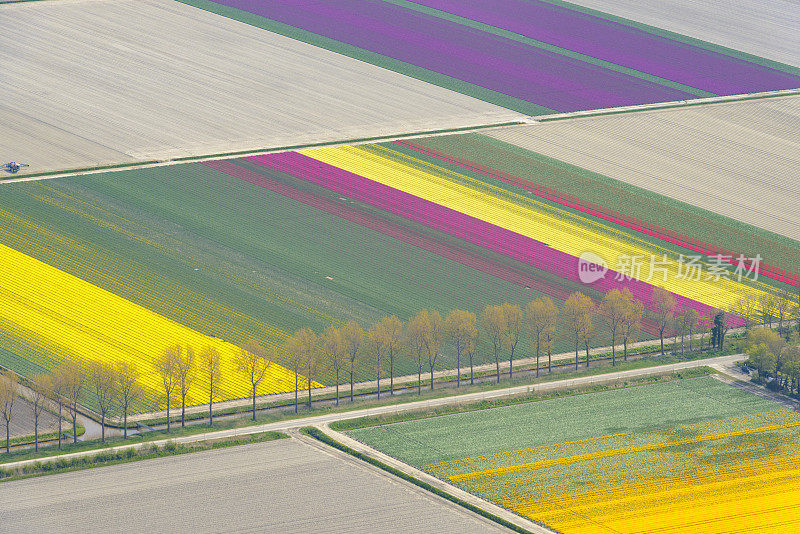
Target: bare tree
<point x="56" y="394"/>
<point x="587" y="325"/>
<point x="513" y="319"/>
<point x="577" y="313"/>
<point x="416" y="332"/>
<point x="40" y="393"/>
<point x="298" y="347"/>
<point x="353" y="336"/>
<point x="433" y="340"/>
<point x="130" y="391"/>
<point x="332" y="347"/>
<point x="392" y="338"/>
<point x="703" y="328"/>
<point x="313" y="366"/>
<point x="534" y="320"/>
<point x="252" y="363"/>
<point x="691" y="318"/>
<point x="747" y="308"/>
<point x="74" y="379"/>
<point x="166" y="365"/>
<point x="8" y="393"/>
<point x="724" y="327"/>
<point x="460" y="330"/>
<point x="768" y="303"/>
<point x="796" y="311"/>
<point x="493" y="321"/>
<point x="664" y="303"/>
<point x="631" y="320"/>
<point x="375" y="340"/>
<point x="185" y="370"/>
<point x="103" y="381"/>
<point x="613" y="308"/>
<point x="782" y="307"/>
<point x="471" y="350"/>
<point x="212" y="372"/>
<point x="541" y="316"/>
<point x="677" y="331"/>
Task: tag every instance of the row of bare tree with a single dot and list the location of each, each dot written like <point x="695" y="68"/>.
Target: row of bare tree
<point x="776" y="308"/>
<point x="115" y="388"/>
<point x="179" y="371"/>
<point x="423" y="338"/>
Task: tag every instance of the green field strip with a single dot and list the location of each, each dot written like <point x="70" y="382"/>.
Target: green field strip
<point x="621" y="197"/>
<point x="530" y="294"/>
<point x="402" y="67"/>
<point x="521" y="297"/>
<point x="680" y="37"/>
<point x="500" y="32"/>
<point x="495" y="430"/>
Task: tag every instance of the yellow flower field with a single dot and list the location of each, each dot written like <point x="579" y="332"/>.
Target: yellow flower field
<point x="68" y="318"/>
<point x="739" y="474"/>
<point x="559" y="228"/>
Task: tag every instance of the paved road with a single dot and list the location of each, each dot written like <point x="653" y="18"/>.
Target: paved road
<point x="281" y="486"/>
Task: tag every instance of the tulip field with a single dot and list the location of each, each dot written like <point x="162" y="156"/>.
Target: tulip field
<point x="313" y="232"/>
<point x="118" y="266"/>
<point x="693" y="455"/>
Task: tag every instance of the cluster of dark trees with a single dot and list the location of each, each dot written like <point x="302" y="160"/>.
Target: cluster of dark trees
<point x="776" y="357"/>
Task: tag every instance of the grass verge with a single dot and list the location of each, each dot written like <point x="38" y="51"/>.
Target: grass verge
<point x="324" y="438"/>
<point x="46" y="436"/>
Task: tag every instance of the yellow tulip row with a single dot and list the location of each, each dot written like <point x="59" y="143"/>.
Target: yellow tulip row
<point x="69" y="318"/>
